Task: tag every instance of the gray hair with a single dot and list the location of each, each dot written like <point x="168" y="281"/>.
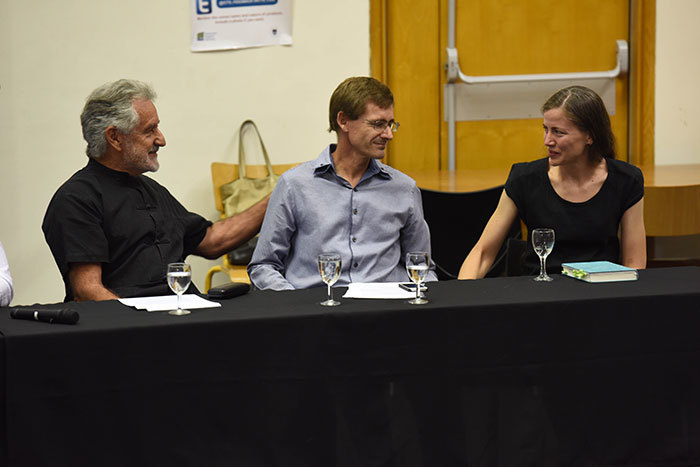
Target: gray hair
<point x="111" y="105"/>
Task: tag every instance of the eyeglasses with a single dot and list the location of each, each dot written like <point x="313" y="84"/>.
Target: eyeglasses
<point x="381" y="125"/>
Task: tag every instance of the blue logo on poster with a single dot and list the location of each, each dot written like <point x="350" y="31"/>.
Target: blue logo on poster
<point x="203" y="7"/>
<point x="235" y="3"/>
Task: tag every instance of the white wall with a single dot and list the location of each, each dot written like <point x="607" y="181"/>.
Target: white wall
<point x="677" y="103"/>
<point x="52" y="54"/>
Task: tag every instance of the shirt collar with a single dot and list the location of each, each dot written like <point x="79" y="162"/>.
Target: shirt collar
<point x="95" y="165"/>
<point x="324" y="163"/>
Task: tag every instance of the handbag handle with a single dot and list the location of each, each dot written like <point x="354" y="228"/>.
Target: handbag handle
<point x="241" y="152"/>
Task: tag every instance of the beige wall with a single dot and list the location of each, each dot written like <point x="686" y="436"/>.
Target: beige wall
<point x="52" y="54"/>
<point x="677" y="138"/>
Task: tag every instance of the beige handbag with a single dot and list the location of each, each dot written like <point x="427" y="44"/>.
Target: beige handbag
<point x="242" y="193"/>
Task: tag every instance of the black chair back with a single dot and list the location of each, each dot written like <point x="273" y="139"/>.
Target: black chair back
<point x="456" y="221"/>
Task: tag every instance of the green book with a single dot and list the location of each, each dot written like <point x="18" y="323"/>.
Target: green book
<point x="599" y="271"/>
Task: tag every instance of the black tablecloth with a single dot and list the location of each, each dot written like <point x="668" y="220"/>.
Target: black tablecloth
<point x="495" y="372"/>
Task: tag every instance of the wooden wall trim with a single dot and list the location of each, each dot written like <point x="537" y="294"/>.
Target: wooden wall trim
<point x="642" y="81"/>
<point x="377" y="39"/>
<point x="378" y="48"/>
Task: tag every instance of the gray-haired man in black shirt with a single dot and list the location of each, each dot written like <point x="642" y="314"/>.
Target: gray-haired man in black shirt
<point x="111" y="229"/>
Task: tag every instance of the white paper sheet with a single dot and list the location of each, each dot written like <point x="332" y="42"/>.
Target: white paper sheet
<point x="382" y="290"/>
<point x="169" y="302"/>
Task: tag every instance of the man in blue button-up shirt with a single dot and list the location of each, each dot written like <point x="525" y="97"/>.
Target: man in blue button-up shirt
<point x="345" y="202"/>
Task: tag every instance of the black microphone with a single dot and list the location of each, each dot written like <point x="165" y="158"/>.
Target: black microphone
<point x="62" y="315"/>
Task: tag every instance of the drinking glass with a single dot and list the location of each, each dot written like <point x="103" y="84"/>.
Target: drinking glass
<point x="417" y="265"/>
<point x="329" y="266"/>
<point x="179" y="279"/>
<point x="543" y="243"/>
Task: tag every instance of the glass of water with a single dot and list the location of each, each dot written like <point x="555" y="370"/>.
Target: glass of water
<point x="329" y="265"/>
<point x="417" y="266"/>
<point x="179" y="279"/>
<point x="543" y="243"/>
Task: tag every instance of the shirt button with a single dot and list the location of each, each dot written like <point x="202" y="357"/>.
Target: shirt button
<point x="354" y="211"/>
<point x="354" y="265"/>
<point x="354" y="189"/>
<point x="354" y="240"/>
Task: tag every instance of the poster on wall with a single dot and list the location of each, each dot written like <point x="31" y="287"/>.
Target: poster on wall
<point x="235" y="24"/>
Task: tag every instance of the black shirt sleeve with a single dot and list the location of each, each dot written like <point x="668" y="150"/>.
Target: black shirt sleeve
<point x="73" y="228"/>
<point x="632" y="179"/>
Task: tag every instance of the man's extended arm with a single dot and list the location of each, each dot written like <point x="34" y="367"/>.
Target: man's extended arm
<point x="227" y="234"/>
<point x="266" y="268"/>
<point x="86" y="282"/>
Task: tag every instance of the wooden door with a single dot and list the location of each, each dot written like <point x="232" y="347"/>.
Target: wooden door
<point x="493" y="37"/>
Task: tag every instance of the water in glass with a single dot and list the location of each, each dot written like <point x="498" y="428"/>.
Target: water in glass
<point x="417" y="273"/>
<point x="179" y="281"/>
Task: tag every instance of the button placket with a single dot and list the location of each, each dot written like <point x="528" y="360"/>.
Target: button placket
<point x="353" y="239"/>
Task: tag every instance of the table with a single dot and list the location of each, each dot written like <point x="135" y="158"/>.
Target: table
<point x="501" y="371"/>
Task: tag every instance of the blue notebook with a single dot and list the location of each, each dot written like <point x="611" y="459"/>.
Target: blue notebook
<point x="599" y="271"/>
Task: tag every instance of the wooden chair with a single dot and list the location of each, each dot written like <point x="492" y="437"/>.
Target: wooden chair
<point x="221" y="173"/>
<point x="672" y="222"/>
